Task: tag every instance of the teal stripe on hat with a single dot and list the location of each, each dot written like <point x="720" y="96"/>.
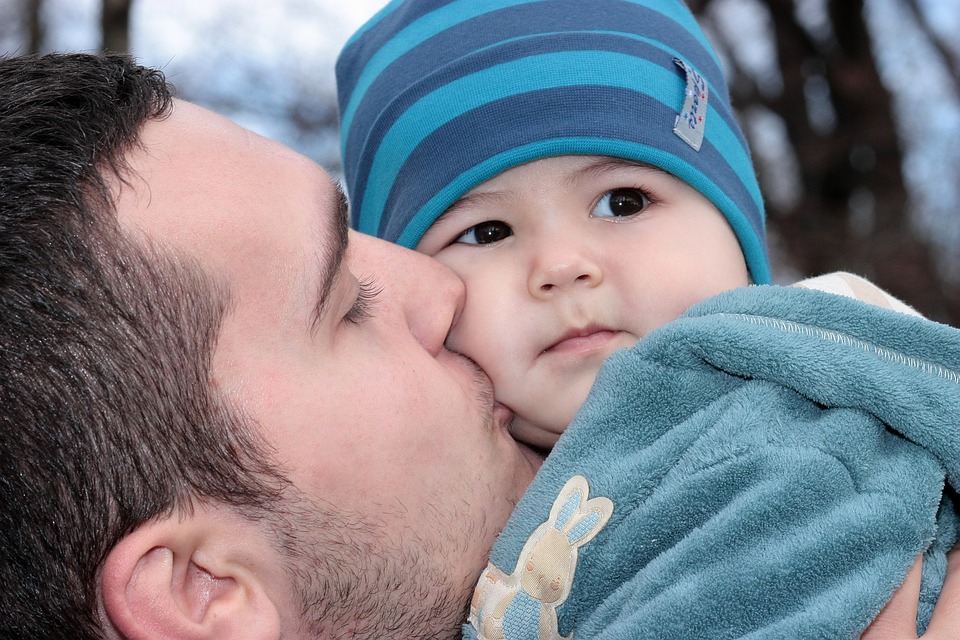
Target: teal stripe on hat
<point x="408" y="38"/>
<point x="558" y="69"/>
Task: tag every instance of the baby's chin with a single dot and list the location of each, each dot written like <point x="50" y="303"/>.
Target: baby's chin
<point x="539" y="436"/>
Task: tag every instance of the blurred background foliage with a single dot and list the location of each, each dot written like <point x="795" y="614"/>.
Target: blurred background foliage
<point x="852" y="108"/>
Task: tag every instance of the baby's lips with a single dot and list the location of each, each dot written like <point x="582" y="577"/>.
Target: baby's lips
<point x="576" y="339"/>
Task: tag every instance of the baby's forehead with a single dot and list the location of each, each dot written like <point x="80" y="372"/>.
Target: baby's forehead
<point x="526" y="178"/>
<point x="572" y="166"/>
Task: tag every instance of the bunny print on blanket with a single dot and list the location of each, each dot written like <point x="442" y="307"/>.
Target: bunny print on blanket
<point x="523" y="605"/>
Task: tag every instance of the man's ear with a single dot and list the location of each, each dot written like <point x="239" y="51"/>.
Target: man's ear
<point x="199" y="576"/>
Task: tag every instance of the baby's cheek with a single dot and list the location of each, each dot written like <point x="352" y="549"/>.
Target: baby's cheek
<point x="486" y="329"/>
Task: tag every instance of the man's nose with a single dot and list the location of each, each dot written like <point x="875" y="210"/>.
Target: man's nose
<point x="417" y="290"/>
<point x="563" y="267"/>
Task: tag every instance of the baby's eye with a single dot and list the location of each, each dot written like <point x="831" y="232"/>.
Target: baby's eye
<point x="485" y="233"/>
<point x="621" y="202"/>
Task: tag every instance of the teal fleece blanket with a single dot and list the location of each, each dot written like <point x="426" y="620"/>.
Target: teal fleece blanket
<point x="775" y="461"/>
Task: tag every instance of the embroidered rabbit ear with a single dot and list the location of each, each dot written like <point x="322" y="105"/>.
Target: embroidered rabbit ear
<point x="569" y="506"/>
<point x="584" y="530"/>
<point x="581" y="519"/>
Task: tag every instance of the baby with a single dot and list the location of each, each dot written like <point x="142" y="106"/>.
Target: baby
<point x="578" y="164"/>
<point x="567" y="259"/>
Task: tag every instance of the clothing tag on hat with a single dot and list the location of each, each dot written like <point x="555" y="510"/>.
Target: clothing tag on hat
<point x="690" y="123"/>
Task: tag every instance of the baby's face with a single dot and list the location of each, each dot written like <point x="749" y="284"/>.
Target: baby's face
<point x="568" y="259"/>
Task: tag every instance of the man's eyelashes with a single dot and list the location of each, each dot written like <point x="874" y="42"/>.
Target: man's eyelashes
<point x="362" y="308"/>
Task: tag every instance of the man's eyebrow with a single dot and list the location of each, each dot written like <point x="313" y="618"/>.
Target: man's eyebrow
<point x="330" y="255"/>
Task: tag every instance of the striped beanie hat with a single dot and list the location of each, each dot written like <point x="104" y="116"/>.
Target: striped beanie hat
<point x="438" y="96"/>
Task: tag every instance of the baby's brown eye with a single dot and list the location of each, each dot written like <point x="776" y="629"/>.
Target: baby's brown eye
<point x="485" y="233"/>
<point x="621" y="202"/>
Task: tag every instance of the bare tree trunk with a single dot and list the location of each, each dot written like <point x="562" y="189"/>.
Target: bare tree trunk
<point x="895" y="254"/>
<point x="36" y="33"/>
<point x="853" y="213"/>
<point x="856" y="211"/>
<point x="115" y="25"/>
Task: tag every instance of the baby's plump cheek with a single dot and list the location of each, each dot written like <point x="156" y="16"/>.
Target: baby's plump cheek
<point x="545" y="403"/>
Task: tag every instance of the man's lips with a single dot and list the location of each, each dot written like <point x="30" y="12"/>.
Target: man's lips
<point x="533" y="455"/>
<point x="502" y="414"/>
<point x="590" y="338"/>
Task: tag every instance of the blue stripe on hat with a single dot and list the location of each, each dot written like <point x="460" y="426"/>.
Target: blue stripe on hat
<point x="411" y="27"/>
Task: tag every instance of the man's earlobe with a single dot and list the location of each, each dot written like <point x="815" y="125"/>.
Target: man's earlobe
<point x="188" y="578"/>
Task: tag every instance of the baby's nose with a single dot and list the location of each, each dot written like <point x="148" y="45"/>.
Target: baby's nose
<point x="564" y="271"/>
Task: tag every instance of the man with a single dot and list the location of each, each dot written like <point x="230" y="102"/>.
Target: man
<point x="154" y="485"/>
<point x="223" y="415"/>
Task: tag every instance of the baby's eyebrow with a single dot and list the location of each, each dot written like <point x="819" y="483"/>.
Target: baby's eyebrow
<point x="597" y="167"/>
<point x="472" y="199"/>
<point x="607" y="163"/>
<point x="443" y="217"/>
<point x="465" y="201"/>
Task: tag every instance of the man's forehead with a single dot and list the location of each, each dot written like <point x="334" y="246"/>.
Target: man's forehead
<point x="250" y="212"/>
<point x="195" y="165"/>
<point x="202" y="134"/>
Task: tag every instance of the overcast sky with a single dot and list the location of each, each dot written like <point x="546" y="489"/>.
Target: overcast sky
<point x="74" y="22"/>
<point x="248" y="59"/>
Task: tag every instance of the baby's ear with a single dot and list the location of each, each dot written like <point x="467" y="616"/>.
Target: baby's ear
<point x="188" y="577"/>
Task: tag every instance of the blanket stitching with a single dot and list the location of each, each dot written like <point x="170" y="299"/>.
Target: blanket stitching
<point x="926" y="366"/>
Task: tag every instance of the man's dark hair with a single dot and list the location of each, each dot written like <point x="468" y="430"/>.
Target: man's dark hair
<point x="106" y="415"/>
